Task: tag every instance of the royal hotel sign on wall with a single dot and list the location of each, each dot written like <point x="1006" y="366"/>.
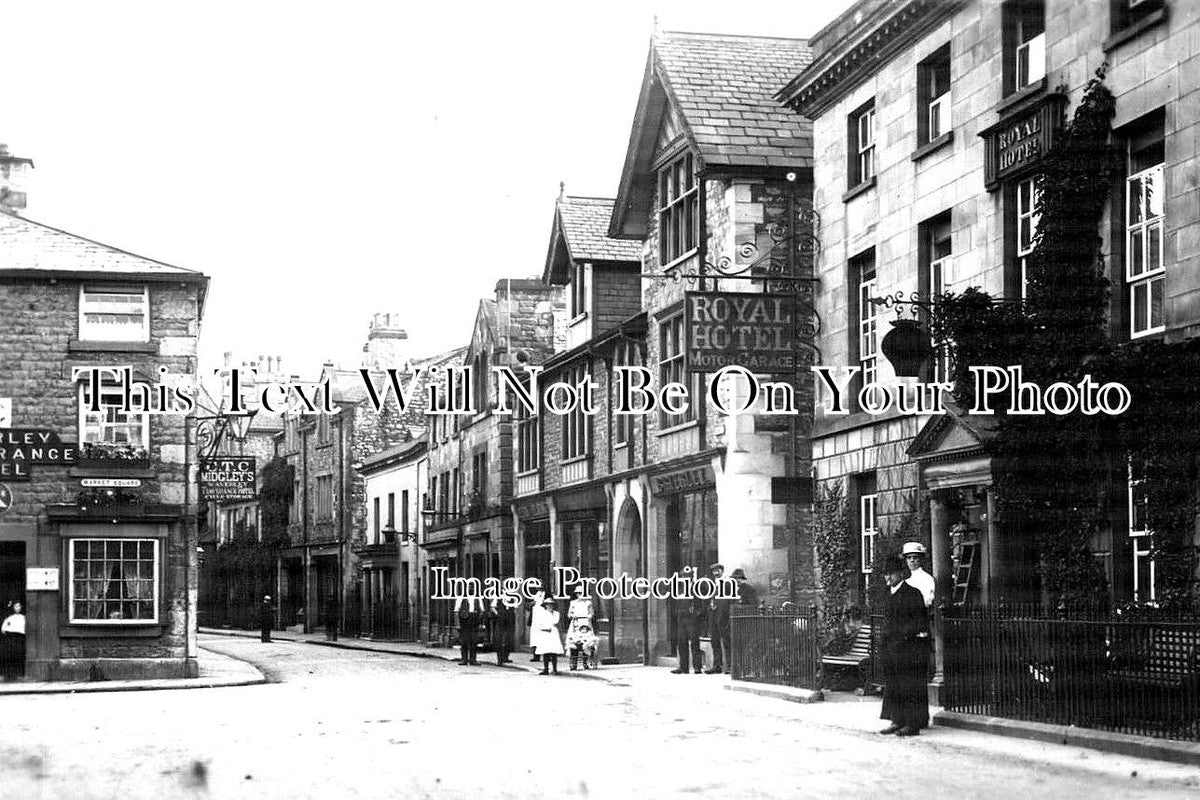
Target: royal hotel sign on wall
<point x="1016" y="144"/>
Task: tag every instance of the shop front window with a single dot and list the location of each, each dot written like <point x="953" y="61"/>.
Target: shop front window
<point x="114" y="581"/>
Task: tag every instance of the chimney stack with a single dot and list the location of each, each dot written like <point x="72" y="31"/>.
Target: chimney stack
<point x="387" y="344"/>
<point x="13" y="171"/>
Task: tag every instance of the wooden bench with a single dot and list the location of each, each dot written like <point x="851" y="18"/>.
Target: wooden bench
<point x="1172" y="660"/>
<point x="858" y="654"/>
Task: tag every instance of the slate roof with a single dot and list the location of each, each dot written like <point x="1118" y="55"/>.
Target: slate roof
<point x="585" y="229"/>
<point x="725" y="88"/>
<point x="581" y="233"/>
<point x="26" y="245"/>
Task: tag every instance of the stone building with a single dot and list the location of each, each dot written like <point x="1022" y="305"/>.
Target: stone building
<point x="932" y="119"/>
<point x="389" y="554"/>
<point x="716" y="182"/>
<point x="321" y="571"/>
<point x="469" y="528"/>
<point x="99" y="507"/>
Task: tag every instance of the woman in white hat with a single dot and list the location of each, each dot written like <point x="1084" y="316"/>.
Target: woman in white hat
<point x="918" y="578"/>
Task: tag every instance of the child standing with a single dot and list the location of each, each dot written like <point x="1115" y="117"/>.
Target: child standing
<point x="545" y="636"/>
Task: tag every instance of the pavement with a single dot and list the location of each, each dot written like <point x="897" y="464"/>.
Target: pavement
<point x="216" y="670"/>
<point x="843" y="709"/>
<point x="340" y="722"/>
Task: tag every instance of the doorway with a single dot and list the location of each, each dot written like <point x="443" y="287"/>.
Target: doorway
<point x="12" y="589"/>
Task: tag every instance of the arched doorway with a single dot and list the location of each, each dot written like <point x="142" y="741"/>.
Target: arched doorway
<point x="631" y="632"/>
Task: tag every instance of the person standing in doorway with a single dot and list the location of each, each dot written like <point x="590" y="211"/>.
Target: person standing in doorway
<point x="918" y="578"/>
<point x="718" y="626"/>
<point x="12" y="642"/>
<point x="904" y="654"/>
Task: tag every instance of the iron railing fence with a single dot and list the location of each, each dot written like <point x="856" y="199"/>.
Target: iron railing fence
<point x="776" y="646"/>
<point x="1140" y="677"/>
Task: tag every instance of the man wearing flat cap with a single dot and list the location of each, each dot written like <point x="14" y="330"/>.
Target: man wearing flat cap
<point x="904" y="654"/>
<point x="918" y="578"/>
<point x="718" y="626"/>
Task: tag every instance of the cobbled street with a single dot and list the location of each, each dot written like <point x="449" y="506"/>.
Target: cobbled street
<point x="346" y="724"/>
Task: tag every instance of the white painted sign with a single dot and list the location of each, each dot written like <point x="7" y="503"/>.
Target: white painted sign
<point x="111" y="483"/>
<point x="5" y="412"/>
<point x="41" y="579"/>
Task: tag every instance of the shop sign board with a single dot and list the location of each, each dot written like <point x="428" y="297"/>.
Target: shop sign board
<point x="751" y="330"/>
<point x="228" y="478"/>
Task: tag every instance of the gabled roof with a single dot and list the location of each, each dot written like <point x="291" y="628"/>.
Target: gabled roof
<point x="723" y="90"/>
<point x="29" y="248"/>
<point x="580" y="233"/>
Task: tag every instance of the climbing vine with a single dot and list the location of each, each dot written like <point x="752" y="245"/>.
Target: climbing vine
<point x="835" y="558"/>
<point x="1065" y="477"/>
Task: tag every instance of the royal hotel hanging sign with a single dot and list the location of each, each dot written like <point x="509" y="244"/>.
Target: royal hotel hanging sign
<point x="751" y="330"/>
<point x="1015" y="144"/>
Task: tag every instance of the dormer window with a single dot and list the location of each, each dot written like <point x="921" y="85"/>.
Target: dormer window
<point x="679" y="208"/>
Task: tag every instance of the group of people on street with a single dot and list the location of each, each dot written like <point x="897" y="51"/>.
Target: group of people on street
<point x="696" y="618"/>
<point x="12" y="641"/>
<point x="543" y="619"/>
<point x="906" y="642"/>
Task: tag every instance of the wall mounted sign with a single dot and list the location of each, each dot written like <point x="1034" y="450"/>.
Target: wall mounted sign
<point x="110" y="483"/>
<point x="755" y="331"/>
<point x="6" y="499"/>
<point x="228" y="478"/>
<point x="21" y="448"/>
<point x="688" y="480"/>
<point x="1015" y="144"/>
<point x="41" y="579"/>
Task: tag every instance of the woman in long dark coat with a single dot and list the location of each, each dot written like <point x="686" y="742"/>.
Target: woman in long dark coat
<point x="904" y="654"/>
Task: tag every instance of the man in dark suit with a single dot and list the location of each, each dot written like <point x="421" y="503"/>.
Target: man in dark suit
<point x="504" y="619"/>
<point x="904" y="653"/>
<point x="718" y="627"/>
<point x="691" y="619"/>
<point x="470" y="615"/>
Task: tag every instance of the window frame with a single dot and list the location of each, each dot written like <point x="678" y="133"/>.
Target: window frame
<point x="156" y="560"/>
<point x="672" y="368"/>
<point x="86" y="329"/>
<point x="862" y="166"/>
<point x="576" y="428"/>
<point x="867" y="327"/>
<point x="678" y="212"/>
<point x="867" y="533"/>
<point x="1150" y="277"/>
<point x="529" y="455"/>
<point x="85" y="418"/>
<point x="927" y="84"/>
<point x="625" y="354"/>
<point x="1139" y="536"/>
<point x="1031" y="216"/>
<point x="324" y="491"/>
